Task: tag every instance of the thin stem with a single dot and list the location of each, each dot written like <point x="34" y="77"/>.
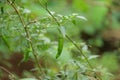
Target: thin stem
<point x="7" y="71"/>
<point x="29" y="41"/>
<point x="80" y="50"/>
<point x="54" y="19"/>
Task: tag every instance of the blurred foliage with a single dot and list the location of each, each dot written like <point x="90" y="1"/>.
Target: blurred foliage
<point x="87" y="22"/>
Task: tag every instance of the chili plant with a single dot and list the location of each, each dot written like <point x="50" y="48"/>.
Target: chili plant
<point x="21" y="31"/>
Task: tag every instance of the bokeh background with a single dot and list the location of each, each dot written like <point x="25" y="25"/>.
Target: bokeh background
<point x="98" y="28"/>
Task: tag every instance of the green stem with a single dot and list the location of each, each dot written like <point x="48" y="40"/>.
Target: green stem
<point x="29" y="41"/>
<point x="74" y="43"/>
<point x="80" y="50"/>
<point x="54" y="20"/>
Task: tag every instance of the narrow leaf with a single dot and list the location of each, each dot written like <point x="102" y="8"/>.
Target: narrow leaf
<point x="26" y="55"/>
<point x="81" y="17"/>
<point x="92" y="57"/>
<point x="60" y="46"/>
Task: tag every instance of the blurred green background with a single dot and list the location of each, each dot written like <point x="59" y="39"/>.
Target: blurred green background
<point x="91" y="23"/>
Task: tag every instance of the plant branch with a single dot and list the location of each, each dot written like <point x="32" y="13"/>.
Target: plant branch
<point x="80" y="50"/>
<point x="29" y="41"/>
<point x="74" y="43"/>
<point x="4" y="69"/>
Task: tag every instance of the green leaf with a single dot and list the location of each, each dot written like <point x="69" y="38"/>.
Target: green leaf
<point x="93" y="57"/>
<point x="26" y="55"/>
<point x="60" y="46"/>
<point x="74" y="22"/>
<point x="2" y="10"/>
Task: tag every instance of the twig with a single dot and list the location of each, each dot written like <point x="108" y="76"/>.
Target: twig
<point x="80" y="50"/>
<point x="4" y="69"/>
<point x="29" y="41"/>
